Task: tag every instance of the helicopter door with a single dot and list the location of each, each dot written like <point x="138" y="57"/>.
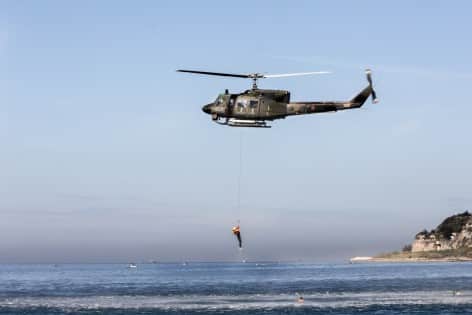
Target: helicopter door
<point x="241" y="106"/>
<point x="231" y="105"/>
<point x="253" y="107"/>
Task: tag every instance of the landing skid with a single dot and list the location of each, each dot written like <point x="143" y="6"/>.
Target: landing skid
<point x="243" y="123"/>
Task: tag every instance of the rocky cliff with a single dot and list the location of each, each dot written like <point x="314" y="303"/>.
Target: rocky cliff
<point x="454" y="232"/>
<point x="449" y="241"/>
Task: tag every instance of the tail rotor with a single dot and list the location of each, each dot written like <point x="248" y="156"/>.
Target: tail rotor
<point x="368" y="73"/>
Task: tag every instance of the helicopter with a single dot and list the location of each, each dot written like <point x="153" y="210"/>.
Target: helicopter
<point x="255" y="107"/>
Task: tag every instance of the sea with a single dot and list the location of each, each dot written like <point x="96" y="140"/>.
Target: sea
<point x="237" y="288"/>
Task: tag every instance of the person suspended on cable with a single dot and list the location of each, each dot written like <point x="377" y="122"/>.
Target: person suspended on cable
<point x="237" y="232"/>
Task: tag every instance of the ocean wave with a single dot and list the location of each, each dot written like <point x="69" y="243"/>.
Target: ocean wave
<point x="243" y="302"/>
<point x="133" y="287"/>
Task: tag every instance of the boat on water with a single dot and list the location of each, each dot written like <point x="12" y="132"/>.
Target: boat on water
<point x="359" y="259"/>
<point x="132" y="265"/>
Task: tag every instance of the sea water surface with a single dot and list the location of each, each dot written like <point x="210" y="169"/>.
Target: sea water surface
<point x="237" y="288"/>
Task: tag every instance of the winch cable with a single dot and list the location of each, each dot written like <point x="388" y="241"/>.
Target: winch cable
<point x="238" y="204"/>
<point x="238" y="201"/>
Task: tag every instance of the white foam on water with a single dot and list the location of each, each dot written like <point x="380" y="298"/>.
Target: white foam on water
<point x="257" y="301"/>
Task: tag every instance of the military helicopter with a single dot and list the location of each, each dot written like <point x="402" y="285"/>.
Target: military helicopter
<point x="254" y="107"/>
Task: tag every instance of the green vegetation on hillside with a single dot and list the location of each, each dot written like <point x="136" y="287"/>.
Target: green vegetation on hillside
<point x="452" y="224"/>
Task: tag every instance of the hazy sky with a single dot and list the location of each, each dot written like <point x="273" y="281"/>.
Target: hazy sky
<point x="107" y="156"/>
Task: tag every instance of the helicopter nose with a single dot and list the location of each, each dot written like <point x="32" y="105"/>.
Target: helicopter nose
<point x="207" y="108"/>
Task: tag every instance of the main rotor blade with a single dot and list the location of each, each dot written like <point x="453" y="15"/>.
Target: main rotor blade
<point x="217" y="73"/>
<point x="293" y="74"/>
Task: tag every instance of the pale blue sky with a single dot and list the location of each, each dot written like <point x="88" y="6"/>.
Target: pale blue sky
<point x="107" y="156"/>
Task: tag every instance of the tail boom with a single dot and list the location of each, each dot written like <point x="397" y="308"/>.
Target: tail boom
<point x="298" y="108"/>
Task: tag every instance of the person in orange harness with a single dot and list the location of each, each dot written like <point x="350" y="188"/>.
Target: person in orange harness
<point x="237" y="232"/>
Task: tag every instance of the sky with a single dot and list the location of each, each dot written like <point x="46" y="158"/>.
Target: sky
<point x="106" y="155"/>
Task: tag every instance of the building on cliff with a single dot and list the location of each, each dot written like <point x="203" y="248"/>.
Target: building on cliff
<point x="453" y="233"/>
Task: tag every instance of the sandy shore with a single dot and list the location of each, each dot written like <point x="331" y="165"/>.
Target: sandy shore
<point x="407" y="259"/>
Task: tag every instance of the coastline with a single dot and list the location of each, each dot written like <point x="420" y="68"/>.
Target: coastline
<point x="455" y="255"/>
<point x="417" y="260"/>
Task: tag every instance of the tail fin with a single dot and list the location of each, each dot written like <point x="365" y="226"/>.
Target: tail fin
<point x="368" y="73"/>
<point x="360" y="98"/>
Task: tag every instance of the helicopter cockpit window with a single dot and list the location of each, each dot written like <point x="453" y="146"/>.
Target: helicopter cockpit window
<point x="219" y="100"/>
<point x="253" y="104"/>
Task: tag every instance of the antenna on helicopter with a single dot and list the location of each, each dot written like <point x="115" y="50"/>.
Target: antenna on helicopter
<point x="254" y="76"/>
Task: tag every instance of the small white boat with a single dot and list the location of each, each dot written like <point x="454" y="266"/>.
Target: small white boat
<point x="132" y="265"/>
<point x="360" y="259"/>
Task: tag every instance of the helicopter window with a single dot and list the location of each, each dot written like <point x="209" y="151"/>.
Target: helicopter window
<point x="242" y="103"/>
<point x="253" y="104"/>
